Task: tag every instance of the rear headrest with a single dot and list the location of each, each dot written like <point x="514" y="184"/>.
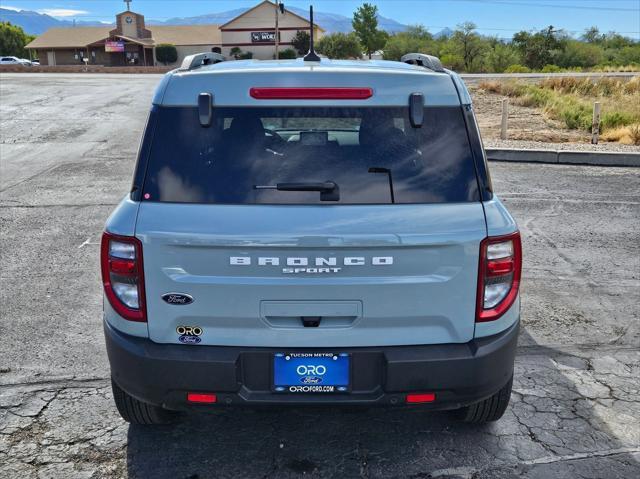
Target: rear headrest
<point x="376" y="128"/>
<point x="246" y="126"/>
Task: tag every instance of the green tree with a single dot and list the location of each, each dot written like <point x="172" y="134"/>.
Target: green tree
<point x="592" y="35"/>
<point x="340" y="45"/>
<point x="416" y="39"/>
<point x="301" y="42"/>
<point x="365" y="25"/>
<point x="469" y="45"/>
<point x="166" y="53"/>
<point x="500" y="57"/>
<point x="450" y="57"/>
<point x="541" y="48"/>
<point x="13" y="40"/>
<point x="615" y="41"/>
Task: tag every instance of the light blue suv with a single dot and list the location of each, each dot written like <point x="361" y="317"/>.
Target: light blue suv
<point x="306" y="233"/>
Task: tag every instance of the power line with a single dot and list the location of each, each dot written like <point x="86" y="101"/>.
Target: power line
<point x="550" y="5"/>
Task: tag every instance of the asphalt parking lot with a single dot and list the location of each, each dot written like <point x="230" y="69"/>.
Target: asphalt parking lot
<point x="67" y="150"/>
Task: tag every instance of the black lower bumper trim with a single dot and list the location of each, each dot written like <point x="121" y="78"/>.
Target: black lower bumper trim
<point x="459" y="374"/>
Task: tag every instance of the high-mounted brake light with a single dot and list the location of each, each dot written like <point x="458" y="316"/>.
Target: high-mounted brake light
<point x="499" y="274"/>
<point x="123" y="275"/>
<point x="310" y="93"/>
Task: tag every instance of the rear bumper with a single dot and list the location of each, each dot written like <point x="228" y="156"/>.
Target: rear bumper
<point x="459" y="374"/>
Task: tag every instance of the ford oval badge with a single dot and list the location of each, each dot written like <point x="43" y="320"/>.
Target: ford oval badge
<point x="177" y="298"/>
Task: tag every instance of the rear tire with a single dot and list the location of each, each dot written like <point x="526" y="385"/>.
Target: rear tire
<point x="489" y="410"/>
<point x="138" y="412"/>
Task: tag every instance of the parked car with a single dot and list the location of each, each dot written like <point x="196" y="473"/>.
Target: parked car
<point x="14" y="61"/>
<point x="311" y="232"/>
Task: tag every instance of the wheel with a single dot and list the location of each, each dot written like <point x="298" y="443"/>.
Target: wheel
<point x="138" y="412"/>
<point x="489" y="410"/>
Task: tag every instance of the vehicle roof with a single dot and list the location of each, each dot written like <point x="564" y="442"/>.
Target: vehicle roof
<point x="229" y="82"/>
<point x="324" y="64"/>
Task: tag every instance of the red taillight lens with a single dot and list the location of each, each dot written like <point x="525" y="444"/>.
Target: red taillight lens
<point x="123" y="275"/>
<point x="310" y="93"/>
<point x="120" y="266"/>
<point x="420" y="398"/>
<point x="202" y="398"/>
<point x="499" y="274"/>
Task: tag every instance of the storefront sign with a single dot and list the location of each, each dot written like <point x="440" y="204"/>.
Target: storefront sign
<point x="111" y="47"/>
<point x="263" y="37"/>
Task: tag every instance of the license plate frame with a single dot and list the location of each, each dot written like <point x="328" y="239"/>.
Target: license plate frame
<point x="287" y="378"/>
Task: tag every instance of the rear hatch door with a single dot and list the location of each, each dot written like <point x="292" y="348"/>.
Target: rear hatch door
<point x="373" y="275"/>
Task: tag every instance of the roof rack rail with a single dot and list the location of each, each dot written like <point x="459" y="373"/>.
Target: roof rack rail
<point x="198" y="59"/>
<point x="426" y="61"/>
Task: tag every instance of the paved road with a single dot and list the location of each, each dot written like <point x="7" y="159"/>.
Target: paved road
<point x="67" y="148"/>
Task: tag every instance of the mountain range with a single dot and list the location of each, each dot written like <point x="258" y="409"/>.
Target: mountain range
<point x="35" y="23"/>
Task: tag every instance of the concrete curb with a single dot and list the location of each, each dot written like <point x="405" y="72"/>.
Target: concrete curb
<point x="565" y="157"/>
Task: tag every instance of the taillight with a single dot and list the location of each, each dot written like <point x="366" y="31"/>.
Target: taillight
<point x="123" y="275"/>
<point x="498" y="275"/>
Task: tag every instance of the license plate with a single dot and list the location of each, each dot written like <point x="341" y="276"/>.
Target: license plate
<point x="311" y="372"/>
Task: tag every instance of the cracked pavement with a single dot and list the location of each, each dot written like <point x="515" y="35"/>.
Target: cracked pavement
<point x="67" y="152"/>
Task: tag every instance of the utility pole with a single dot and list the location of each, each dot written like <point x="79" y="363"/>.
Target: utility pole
<point x="277" y="40"/>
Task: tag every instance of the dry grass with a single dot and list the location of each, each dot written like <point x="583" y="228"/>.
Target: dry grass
<point x="570" y="100"/>
<point x="627" y="135"/>
<point x="621" y="68"/>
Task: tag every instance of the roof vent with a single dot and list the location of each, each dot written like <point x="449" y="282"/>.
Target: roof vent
<point x="425" y="61"/>
<point x="199" y="59"/>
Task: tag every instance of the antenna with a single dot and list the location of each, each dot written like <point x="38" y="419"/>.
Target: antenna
<point x="311" y="56"/>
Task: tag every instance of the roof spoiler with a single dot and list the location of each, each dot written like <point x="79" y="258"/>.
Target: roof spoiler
<point x="198" y="59"/>
<point x="425" y="61"/>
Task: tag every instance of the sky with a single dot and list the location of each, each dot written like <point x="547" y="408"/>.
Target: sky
<point x="493" y="17"/>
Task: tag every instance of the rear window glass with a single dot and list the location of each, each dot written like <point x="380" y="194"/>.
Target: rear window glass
<point x="326" y="156"/>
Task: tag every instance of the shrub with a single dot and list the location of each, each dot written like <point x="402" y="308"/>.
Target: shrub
<point x="517" y="69"/>
<point x="238" y="54"/>
<point x="634" y="133"/>
<point x="551" y="69"/>
<point x="166" y="53"/>
<point x="288" y="54"/>
<point x="628" y="135"/>
<point x="613" y="119"/>
<point x="491" y="86"/>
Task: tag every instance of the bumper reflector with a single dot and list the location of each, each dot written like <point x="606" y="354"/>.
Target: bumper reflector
<point x="420" y="398"/>
<point x="201" y="398"/>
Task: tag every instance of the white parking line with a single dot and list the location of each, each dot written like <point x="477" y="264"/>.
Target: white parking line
<point x="88" y="242"/>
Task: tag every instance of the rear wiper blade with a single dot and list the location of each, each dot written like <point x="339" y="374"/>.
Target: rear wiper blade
<point x="386" y="171"/>
<point x="329" y="190"/>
